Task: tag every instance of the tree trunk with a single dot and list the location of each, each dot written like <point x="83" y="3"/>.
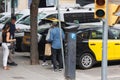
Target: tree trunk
<point x="34" y="57"/>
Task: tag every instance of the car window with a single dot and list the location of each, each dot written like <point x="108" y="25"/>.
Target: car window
<point x="25" y="21"/>
<point x="116" y="33"/>
<point x="83" y="35"/>
<point x="6" y="19"/>
<point x="80" y="17"/>
<point x="41" y="15"/>
<point x="1" y="16"/>
<point x="18" y="16"/>
<point x="52" y="16"/>
<point x="96" y="34"/>
<point x="43" y="27"/>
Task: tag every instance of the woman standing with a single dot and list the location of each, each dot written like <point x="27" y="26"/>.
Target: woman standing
<point x="5" y="43"/>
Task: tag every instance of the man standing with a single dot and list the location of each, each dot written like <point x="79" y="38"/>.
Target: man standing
<point x="12" y="36"/>
<point x="56" y="46"/>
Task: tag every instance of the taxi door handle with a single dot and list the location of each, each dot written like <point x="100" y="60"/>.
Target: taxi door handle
<point x="92" y="44"/>
<point x="117" y="43"/>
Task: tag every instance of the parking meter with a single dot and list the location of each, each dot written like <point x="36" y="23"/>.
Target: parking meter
<point x="70" y="54"/>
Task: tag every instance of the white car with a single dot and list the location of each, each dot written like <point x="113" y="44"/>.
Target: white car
<point x="4" y="14"/>
<point x="19" y="15"/>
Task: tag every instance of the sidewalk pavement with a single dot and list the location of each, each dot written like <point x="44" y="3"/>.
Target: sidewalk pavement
<point x="25" y="71"/>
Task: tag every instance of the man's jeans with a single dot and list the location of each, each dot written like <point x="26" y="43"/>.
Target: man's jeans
<point x="57" y="58"/>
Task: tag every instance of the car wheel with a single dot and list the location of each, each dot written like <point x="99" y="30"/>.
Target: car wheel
<point x="86" y="61"/>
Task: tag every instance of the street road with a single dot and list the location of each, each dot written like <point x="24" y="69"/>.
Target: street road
<point x="24" y="71"/>
<point x="95" y="72"/>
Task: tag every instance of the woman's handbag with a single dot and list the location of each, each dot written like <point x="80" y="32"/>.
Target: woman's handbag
<point x="47" y="49"/>
<point x="11" y="46"/>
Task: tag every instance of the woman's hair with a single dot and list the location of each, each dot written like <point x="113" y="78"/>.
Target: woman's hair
<point x="7" y="26"/>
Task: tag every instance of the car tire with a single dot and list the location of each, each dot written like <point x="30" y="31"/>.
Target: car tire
<point x="86" y="61"/>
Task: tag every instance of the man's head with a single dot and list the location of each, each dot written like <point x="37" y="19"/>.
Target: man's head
<point x="13" y="19"/>
<point x="55" y="24"/>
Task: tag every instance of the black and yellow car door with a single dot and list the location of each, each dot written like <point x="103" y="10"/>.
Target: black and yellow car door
<point x="116" y="43"/>
<point x="117" y="49"/>
<point x="95" y="43"/>
<point x="111" y="49"/>
<point x="96" y="47"/>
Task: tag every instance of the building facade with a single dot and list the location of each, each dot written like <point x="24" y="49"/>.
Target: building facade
<point x="25" y="4"/>
<point x="67" y="1"/>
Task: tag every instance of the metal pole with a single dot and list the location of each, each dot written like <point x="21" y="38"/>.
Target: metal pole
<point x="62" y="50"/>
<point x="105" y="46"/>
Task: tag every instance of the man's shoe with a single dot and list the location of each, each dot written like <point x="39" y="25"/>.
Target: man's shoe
<point x="60" y="69"/>
<point x="44" y="64"/>
<point x="55" y="70"/>
<point x="8" y="63"/>
<point x="12" y="64"/>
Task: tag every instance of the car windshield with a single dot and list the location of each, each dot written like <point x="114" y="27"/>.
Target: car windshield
<point x="1" y="15"/>
<point x="26" y="21"/>
<point x="18" y="16"/>
<point x="7" y="19"/>
<point x="43" y="27"/>
<point x="4" y="20"/>
<point x="41" y="15"/>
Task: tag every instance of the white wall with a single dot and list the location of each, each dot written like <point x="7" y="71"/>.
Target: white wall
<point x="22" y="4"/>
<point x="67" y="1"/>
<point x="9" y="6"/>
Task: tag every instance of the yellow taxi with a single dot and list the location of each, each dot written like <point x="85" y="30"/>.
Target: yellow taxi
<point x="89" y="45"/>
